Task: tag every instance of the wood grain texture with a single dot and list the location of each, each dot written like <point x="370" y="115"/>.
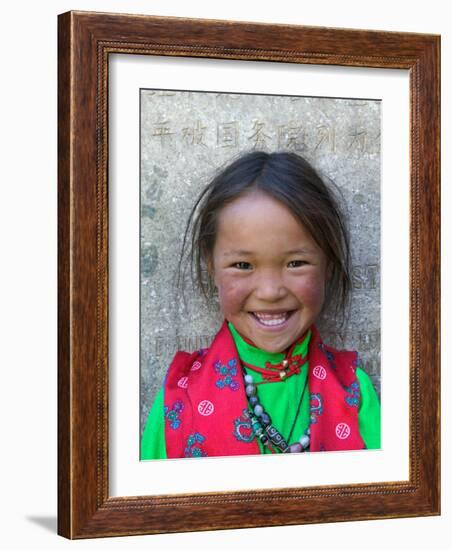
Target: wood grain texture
<point x="85" y="42"/>
<point x="64" y="294"/>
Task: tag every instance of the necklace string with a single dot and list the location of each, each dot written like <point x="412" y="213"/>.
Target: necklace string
<point x="279" y="372"/>
<point x="298" y="409"/>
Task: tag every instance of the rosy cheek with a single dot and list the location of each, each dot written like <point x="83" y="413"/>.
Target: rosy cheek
<point x="231" y="295"/>
<point x="311" y="290"/>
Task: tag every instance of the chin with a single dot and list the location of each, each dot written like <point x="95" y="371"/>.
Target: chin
<point x="273" y="347"/>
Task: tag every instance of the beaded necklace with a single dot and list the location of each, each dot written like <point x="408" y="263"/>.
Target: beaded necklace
<point x="261" y="421"/>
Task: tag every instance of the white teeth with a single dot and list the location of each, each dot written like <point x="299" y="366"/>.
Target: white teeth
<point x="271" y="320"/>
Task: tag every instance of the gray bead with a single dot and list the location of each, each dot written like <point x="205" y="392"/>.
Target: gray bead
<point x="265" y="420"/>
<point x="253" y="400"/>
<point x="304" y="441"/>
<point x="258" y="410"/>
<point x="250" y="389"/>
<point x="295" y="448"/>
<point x="248" y="379"/>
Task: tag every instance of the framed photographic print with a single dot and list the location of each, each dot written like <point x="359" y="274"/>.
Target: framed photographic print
<point x="152" y="109"/>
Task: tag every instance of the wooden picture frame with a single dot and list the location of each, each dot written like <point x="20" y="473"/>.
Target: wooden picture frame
<point x="85" y="42"/>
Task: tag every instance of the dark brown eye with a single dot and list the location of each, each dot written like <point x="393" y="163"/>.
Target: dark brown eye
<point x="242" y="265"/>
<point x="297" y="263"/>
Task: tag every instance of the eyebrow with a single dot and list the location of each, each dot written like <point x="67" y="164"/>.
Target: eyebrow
<point x="238" y="253"/>
<point x="301" y="251"/>
<point x="288" y="252"/>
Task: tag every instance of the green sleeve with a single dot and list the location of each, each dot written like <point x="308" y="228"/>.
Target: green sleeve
<point x="369" y="411"/>
<point x="153" y="439"/>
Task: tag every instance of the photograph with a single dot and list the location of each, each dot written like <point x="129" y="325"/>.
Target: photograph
<point x="259" y="272"/>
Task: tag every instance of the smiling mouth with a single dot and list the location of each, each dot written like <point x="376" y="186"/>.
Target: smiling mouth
<point x="272" y="319"/>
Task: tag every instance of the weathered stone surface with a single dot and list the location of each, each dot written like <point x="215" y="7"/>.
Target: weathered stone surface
<point x="185" y="138"/>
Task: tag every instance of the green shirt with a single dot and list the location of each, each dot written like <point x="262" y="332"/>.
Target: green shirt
<point x="278" y="399"/>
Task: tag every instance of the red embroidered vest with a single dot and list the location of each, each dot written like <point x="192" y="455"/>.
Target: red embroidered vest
<point x="204" y="398"/>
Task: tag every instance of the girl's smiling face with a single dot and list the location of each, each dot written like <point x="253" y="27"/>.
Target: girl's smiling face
<point x="269" y="271"/>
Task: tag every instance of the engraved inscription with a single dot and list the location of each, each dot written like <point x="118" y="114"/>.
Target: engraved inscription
<point x="326" y="138"/>
<point x="195" y="135"/>
<point x="365" y="277"/>
<point x="292" y="137"/>
<point x="227" y="134"/>
<point x="166" y="346"/>
<point x="162" y="131"/>
<point x="259" y="137"/>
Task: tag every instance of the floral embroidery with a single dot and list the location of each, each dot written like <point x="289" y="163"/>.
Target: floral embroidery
<point x="193" y="448"/>
<point x="173" y="414"/>
<point x="228" y="372"/>
<point x="316" y="407"/>
<point x="328" y="355"/>
<point x="243" y="429"/>
<point x="353" y="398"/>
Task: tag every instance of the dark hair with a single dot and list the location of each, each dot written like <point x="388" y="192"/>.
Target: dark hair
<point x="290" y="179"/>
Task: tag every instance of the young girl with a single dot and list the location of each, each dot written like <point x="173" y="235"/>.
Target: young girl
<point x="273" y="241"/>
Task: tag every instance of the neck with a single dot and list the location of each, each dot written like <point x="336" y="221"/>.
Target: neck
<point x="250" y="353"/>
<point x="287" y="350"/>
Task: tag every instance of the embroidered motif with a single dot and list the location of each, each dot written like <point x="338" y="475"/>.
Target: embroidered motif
<point x="353" y="398"/>
<point x="173" y="414"/>
<point x="228" y="372"/>
<point x="319" y="372"/>
<point x="316" y="407"/>
<point x="183" y="382"/>
<point x="206" y="407"/>
<point x="243" y="429"/>
<point x="343" y="430"/>
<point x="193" y="448"/>
<point x="331" y="359"/>
<point x="196" y="366"/>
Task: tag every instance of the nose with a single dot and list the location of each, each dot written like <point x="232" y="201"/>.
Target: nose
<point x="270" y="287"/>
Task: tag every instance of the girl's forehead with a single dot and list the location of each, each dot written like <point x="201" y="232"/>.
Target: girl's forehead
<point x="259" y="220"/>
<point x="257" y="208"/>
<point x="253" y="201"/>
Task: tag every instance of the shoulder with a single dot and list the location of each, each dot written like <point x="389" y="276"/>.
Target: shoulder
<point x="334" y="356"/>
<point x="343" y="363"/>
<point x="341" y="357"/>
<point x="182" y="365"/>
